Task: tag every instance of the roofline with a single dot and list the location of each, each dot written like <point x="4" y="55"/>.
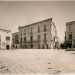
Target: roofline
<point x="5" y="30"/>
<point x="15" y="33"/>
<point x="35" y="23"/>
<point x="70" y="22"/>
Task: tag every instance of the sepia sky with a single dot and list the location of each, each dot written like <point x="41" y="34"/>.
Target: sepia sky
<point x="14" y="14"/>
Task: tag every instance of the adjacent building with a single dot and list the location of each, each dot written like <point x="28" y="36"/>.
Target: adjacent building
<point x="15" y="40"/>
<point x="39" y="35"/>
<point x="5" y="38"/>
<point x="70" y="34"/>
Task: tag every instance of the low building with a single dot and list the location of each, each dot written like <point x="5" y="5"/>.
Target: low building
<point x="5" y="39"/>
<point x="37" y="35"/>
<point x="15" y="40"/>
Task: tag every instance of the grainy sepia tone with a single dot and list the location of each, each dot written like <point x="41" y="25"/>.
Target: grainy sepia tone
<point x="37" y="37"/>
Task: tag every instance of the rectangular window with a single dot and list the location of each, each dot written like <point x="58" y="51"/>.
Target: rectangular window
<point x="31" y="38"/>
<point x="7" y="38"/>
<point x="24" y="39"/>
<point x="21" y="40"/>
<point x="38" y="29"/>
<point x="39" y="41"/>
<point x="38" y="38"/>
<point x="44" y="28"/>
<point x="45" y="40"/>
<point x="70" y="36"/>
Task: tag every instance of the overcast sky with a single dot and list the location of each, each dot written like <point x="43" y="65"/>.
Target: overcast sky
<point x="14" y="14"/>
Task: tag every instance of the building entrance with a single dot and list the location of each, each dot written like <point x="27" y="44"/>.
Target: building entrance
<point x="7" y="47"/>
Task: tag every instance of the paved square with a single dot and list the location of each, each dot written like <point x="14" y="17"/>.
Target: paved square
<point x="21" y="61"/>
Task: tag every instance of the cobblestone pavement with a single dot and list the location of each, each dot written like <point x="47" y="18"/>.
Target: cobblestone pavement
<point x="43" y="61"/>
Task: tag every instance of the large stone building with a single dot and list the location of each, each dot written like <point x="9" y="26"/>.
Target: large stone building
<point x="5" y="38"/>
<point x="37" y="35"/>
<point x="70" y="34"/>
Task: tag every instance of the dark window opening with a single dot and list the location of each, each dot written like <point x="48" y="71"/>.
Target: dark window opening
<point x="45" y="40"/>
<point x="31" y="38"/>
<point x="70" y="36"/>
<point x="21" y="40"/>
<point x="38" y="41"/>
<point x="44" y="28"/>
<point x="47" y="46"/>
<point x="38" y="38"/>
<point x="24" y="39"/>
<point x="31" y="45"/>
<point x="38" y="29"/>
<point x="42" y="46"/>
<point x="7" y="38"/>
<point x="16" y="46"/>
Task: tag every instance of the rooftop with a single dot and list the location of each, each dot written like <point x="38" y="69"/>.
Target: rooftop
<point x="35" y="23"/>
<point x="4" y="29"/>
<point x="69" y="23"/>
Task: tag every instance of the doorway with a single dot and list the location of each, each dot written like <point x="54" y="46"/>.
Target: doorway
<point x="7" y="47"/>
